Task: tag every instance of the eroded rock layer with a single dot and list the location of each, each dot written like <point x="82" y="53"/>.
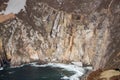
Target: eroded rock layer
<point x="50" y="31"/>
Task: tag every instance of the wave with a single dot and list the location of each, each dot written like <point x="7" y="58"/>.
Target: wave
<point x="18" y="66"/>
<point x="79" y="71"/>
<point x="1" y="68"/>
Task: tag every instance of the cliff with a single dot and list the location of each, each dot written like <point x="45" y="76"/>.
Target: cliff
<point x="64" y="31"/>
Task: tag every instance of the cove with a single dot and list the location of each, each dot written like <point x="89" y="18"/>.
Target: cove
<point x="51" y="71"/>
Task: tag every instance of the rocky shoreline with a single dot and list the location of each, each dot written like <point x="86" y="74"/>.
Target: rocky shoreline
<point x="63" y="31"/>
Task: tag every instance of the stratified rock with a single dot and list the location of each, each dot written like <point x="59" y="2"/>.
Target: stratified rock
<point x="65" y="31"/>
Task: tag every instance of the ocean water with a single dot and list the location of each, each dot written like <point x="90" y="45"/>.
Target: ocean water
<point x="51" y="71"/>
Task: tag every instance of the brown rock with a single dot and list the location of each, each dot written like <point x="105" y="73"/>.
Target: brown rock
<point x="115" y="78"/>
<point x="71" y="30"/>
<point x="4" y="18"/>
<point x="104" y="75"/>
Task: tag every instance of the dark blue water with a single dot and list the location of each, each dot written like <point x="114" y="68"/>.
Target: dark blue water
<point x="28" y="72"/>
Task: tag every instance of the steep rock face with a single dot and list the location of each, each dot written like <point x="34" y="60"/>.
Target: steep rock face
<point x="53" y="32"/>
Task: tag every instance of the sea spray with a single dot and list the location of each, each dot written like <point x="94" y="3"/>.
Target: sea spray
<point x="1" y="68"/>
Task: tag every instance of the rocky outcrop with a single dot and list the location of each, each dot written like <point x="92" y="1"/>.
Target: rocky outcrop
<point x="104" y="75"/>
<point x="6" y="17"/>
<point x="49" y="31"/>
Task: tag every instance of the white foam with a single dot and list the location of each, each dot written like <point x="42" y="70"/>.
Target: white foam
<point x="88" y="68"/>
<point x="18" y="66"/>
<point x="1" y="68"/>
<point x="14" y="6"/>
<point x="11" y="72"/>
<point x="79" y="71"/>
<point x="65" y="77"/>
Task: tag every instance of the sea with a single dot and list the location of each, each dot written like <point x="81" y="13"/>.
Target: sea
<point x="50" y="71"/>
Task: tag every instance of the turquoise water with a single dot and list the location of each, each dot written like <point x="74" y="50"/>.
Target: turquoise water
<point x="28" y="72"/>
